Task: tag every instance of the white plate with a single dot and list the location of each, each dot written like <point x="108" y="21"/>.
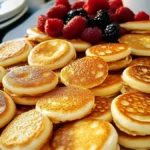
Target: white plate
<point x="10" y="21"/>
<point x="10" y="8"/>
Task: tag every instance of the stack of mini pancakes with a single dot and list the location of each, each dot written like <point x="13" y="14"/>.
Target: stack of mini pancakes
<point x="59" y="94"/>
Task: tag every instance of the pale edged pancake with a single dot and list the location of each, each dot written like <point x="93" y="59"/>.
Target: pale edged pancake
<point x="145" y="61"/>
<point x="110" y="87"/>
<point x="29" y="80"/>
<point x="140" y="31"/>
<point x="86" y="72"/>
<point x="136" y="25"/>
<point x="102" y="109"/>
<point x="80" y="45"/>
<point x="137" y="77"/>
<point x="131" y="113"/>
<point x="53" y="54"/>
<point x="66" y="104"/>
<point x="110" y="52"/>
<point x="2" y="73"/>
<point x="127" y="89"/>
<point x="139" y="44"/>
<point x="28" y="131"/>
<point x="34" y="34"/>
<point x="133" y="142"/>
<point x="86" y="134"/>
<point x="14" y="51"/>
<point x="120" y="64"/>
<point x="7" y="109"/>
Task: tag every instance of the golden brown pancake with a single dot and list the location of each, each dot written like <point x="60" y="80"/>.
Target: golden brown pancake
<point x="110" y="87"/>
<point x="7" y="109"/>
<point x="28" y="131"/>
<point x="86" y="72"/>
<point x="15" y="51"/>
<point x="53" y="54"/>
<point x="138" y="78"/>
<point x="29" y="80"/>
<point x="2" y="74"/>
<point x="139" y="44"/>
<point x="110" y="52"/>
<point x="141" y="31"/>
<point x="102" y="109"/>
<point x="126" y="89"/>
<point x="131" y="113"/>
<point x="66" y="103"/>
<point x="86" y="134"/>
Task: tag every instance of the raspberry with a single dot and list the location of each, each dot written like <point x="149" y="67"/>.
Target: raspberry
<point x="114" y="4"/>
<point x="92" y="35"/>
<point x="113" y="17"/>
<point x="92" y="7"/>
<point x="74" y="27"/>
<point x="63" y="2"/>
<point x="53" y="27"/>
<point x="124" y="14"/>
<point x="141" y="16"/>
<point x="77" y="5"/>
<point x="123" y="31"/>
<point x="58" y="11"/>
<point x="41" y="22"/>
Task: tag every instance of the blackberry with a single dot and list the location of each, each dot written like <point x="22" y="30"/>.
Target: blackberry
<point x="75" y="12"/>
<point x="111" y="32"/>
<point x="102" y="18"/>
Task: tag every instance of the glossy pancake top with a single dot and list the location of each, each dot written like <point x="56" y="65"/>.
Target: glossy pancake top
<point x="86" y="72"/>
<point x="109" y="51"/>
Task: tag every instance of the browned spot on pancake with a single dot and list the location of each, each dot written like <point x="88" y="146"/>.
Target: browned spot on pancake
<point x="65" y="99"/>
<point x="3" y="103"/>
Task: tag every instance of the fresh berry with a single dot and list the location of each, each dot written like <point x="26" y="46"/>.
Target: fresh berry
<point x="53" y="27"/>
<point x="63" y="2"/>
<point x="113" y="17"/>
<point x="102" y="19"/>
<point x="123" y="31"/>
<point x="141" y="16"/>
<point x="112" y="32"/>
<point x="114" y="4"/>
<point x="58" y="11"/>
<point x="77" y="5"/>
<point x="41" y="22"/>
<point x="92" y="7"/>
<point x="74" y="27"/>
<point x="92" y="35"/>
<point x="124" y="14"/>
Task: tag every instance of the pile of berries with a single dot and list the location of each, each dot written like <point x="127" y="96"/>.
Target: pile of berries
<point x="91" y="21"/>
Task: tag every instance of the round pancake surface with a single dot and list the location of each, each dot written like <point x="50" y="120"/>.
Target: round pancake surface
<point x="102" y="109"/>
<point x="2" y="73"/>
<point x="27" y="131"/>
<point x="138" y="78"/>
<point x="7" y="109"/>
<point x="131" y="113"/>
<point x="66" y="104"/>
<point x="14" y="51"/>
<point x="30" y="80"/>
<point x="139" y="44"/>
<point x="85" y="72"/>
<point x="53" y="54"/>
<point x="111" y="86"/>
<point x="109" y="51"/>
<point x="86" y="134"/>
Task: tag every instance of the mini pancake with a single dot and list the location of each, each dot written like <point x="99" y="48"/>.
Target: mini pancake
<point x="110" y="52"/>
<point x="13" y="52"/>
<point x="66" y="104"/>
<point x="2" y="73"/>
<point x="126" y="89"/>
<point x="80" y="45"/>
<point x="102" y="109"/>
<point x="120" y="64"/>
<point x="110" y="87"/>
<point x="137" y="77"/>
<point x="53" y="54"/>
<point x="141" y="31"/>
<point x="131" y="113"/>
<point x="29" y="80"/>
<point x="86" y="134"/>
<point x="86" y="72"/>
<point x="28" y="131"/>
<point x="7" y="109"/>
<point x="139" y="44"/>
<point x="136" y="25"/>
<point x="34" y="34"/>
<point x="145" y="61"/>
<point x="134" y="142"/>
